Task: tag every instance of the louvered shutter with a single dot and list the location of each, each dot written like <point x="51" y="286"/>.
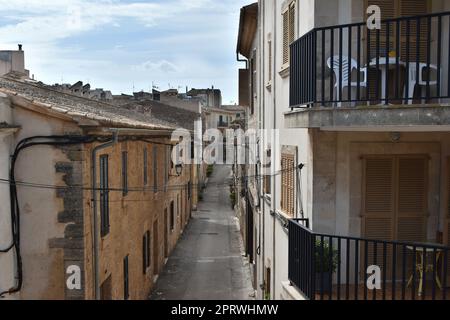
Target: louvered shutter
<point x="292" y="23"/>
<point x="388" y="11"/>
<point x="286" y="37"/>
<point x="395" y="202"/>
<point x="408" y="8"/>
<point x="393" y="9"/>
<point x="290" y="185"/>
<point x="412" y="199"/>
<point x="378" y="215"/>
<point x="287" y="184"/>
<point x="378" y="185"/>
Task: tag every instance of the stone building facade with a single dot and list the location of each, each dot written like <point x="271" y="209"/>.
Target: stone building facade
<point x="71" y="247"/>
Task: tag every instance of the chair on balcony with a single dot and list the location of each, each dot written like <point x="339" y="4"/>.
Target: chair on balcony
<point x="346" y="75"/>
<point x="421" y="82"/>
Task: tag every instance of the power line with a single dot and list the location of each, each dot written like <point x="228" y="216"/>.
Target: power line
<point x="240" y="180"/>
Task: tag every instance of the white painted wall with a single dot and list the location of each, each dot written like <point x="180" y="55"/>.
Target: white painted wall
<point x="274" y="103"/>
<point x="6" y="259"/>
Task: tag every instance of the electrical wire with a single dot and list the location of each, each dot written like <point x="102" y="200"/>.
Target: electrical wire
<point x="71" y="140"/>
<point x="241" y="180"/>
<point x="14" y="201"/>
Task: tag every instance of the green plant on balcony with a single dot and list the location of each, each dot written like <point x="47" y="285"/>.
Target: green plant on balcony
<point x="209" y="170"/>
<point x="232" y="199"/>
<point x="327" y="260"/>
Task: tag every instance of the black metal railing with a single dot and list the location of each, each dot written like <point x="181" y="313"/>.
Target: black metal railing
<point x="222" y="124"/>
<point x="329" y="267"/>
<point x="404" y="62"/>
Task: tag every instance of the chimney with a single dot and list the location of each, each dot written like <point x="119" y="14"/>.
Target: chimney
<point x="20" y="47"/>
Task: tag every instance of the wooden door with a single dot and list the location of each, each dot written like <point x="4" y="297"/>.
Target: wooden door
<point x="166" y="234"/>
<point x="155" y="248"/>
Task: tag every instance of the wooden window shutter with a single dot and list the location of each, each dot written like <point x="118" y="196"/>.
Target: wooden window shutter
<point x="288" y="31"/>
<point x="287" y="184"/>
<point x="378" y="198"/>
<point x="378" y="206"/>
<point x="292" y="23"/>
<point x="378" y="184"/>
<point x="409" y="8"/>
<point x="286" y="37"/>
<point x="412" y="198"/>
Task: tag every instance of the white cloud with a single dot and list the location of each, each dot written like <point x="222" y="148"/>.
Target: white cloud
<point x="160" y="67"/>
<point x="47" y="21"/>
<point x="197" y="35"/>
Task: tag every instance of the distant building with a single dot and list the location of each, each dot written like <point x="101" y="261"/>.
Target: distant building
<point x="84" y="90"/>
<point x="107" y="204"/>
<point x="13" y="61"/>
<point x="224" y="117"/>
<point x="209" y="97"/>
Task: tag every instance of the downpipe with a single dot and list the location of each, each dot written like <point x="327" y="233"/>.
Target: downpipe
<point x="94" y="219"/>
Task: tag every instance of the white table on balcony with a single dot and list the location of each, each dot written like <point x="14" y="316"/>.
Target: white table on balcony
<point x="385" y="64"/>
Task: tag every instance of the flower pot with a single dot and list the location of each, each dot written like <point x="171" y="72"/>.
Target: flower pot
<point x="326" y="276"/>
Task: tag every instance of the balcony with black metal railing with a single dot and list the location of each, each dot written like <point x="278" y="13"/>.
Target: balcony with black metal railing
<point x="330" y="267"/>
<point x="222" y="124"/>
<point x="339" y="73"/>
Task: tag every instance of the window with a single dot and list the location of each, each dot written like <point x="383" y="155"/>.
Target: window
<point x="267" y="281"/>
<point x="287" y="183"/>
<point x="189" y="190"/>
<point x="126" y="285"/>
<point x="155" y="169"/>
<point x="172" y="215"/>
<point x="178" y="205"/>
<point x="124" y="173"/>
<point x="288" y="31"/>
<point x="267" y="173"/>
<point x="252" y="84"/>
<point x="145" y="167"/>
<point x="269" y="60"/>
<point x="146" y="251"/>
<point x="104" y="196"/>
<point x="166" y="167"/>
<point x="170" y="158"/>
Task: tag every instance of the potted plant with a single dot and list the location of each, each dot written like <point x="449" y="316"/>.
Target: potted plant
<point x="232" y="199"/>
<point x="325" y="265"/>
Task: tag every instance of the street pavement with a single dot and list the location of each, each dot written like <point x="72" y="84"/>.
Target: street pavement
<point x="208" y="262"/>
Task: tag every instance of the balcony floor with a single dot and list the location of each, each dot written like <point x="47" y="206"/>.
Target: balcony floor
<point x="388" y="295"/>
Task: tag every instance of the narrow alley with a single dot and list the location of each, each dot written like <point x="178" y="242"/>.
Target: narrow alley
<point x="208" y="262"/>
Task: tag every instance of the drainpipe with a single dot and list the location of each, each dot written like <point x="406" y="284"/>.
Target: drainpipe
<point x="262" y="125"/>
<point x="274" y="93"/>
<point x="96" y="268"/>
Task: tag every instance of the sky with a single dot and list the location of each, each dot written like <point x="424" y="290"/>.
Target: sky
<point x="128" y="44"/>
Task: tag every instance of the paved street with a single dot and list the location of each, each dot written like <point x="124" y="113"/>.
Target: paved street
<point x="207" y="263"/>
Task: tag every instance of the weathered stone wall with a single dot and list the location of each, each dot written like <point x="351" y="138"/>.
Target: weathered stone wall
<point x="134" y="214"/>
